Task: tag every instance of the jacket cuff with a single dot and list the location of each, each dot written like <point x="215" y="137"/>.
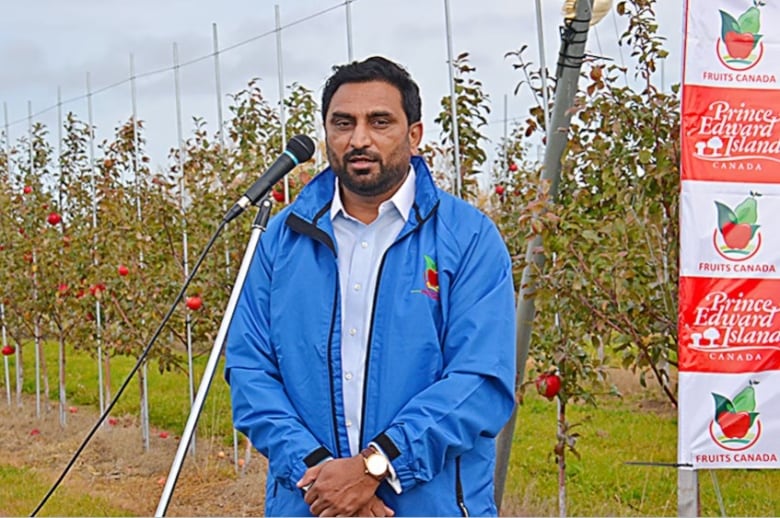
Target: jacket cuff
<point x="388" y="446"/>
<point x="317" y="456"/>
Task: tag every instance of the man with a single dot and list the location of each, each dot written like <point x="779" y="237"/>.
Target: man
<point x="371" y="354"/>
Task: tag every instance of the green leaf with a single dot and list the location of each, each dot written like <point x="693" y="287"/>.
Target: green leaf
<point x="753" y="416"/>
<point x="747" y="211"/>
<point x="727" y="24"/>
<point x="745" y="401"/>
<point x="725" y="215"/>
<point x="722" y="404"/>
<point x="430" y="264"/>
<point x="750" y="21"/>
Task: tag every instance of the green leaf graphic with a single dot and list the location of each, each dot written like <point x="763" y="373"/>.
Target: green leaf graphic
<point x="722" y="404"/>
<point x="747" y="211"/>
<point x="753" y="416"/>
<point x="430" y="264"/>
<point x="727" y="24"/>
<point x="745" y="401"/>
<point x="725" y="215"/>
<point x="753" y="230"/>
<point x="750" y="20"/>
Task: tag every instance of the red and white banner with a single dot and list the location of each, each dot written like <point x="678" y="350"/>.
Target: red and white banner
<point x="729" y="311"/>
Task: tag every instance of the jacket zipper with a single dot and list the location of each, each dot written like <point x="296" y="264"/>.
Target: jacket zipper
<point x="459" y="489"/>
<point x="330" y="373"/>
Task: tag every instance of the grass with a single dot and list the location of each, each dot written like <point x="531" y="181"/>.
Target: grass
<point x="27" y="489"/>
<point x="169" y="404"/>
<point x="603" y="483"/>
<point x="600" y="483"/>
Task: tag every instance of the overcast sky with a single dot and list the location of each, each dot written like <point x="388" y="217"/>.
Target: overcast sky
<point x="46" y="44"/>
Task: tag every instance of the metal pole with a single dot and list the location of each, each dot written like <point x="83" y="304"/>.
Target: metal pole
<point x="220" y="122"/>
<point x="93" y="185"/>
<point x="61" y="345"/>
<point x="144" y="370"/>
<point x="185" y="246"/>
<point x="543" y="65"/>
<point x="687" y="492"/>
<point x="5" y="358"/>
<point x="37" y="337"/>
<point x="2" y="307"/>
<point x="282" y="115"/>
<point x="453" y="101"/>
<point x="573" y="39"/>
<point x="348" y="8"/>
<point x="258" y="227"/>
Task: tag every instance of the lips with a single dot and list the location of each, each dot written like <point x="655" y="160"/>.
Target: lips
<point x="361" y="162"/>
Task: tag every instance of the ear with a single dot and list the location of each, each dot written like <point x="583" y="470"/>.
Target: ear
<point x="415" y="135"/>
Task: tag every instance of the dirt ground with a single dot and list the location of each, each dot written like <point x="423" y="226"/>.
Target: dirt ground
<point x="114" y="466"/>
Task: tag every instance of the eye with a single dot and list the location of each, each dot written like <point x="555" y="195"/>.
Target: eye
<point x="342" y="123"/>
<point x="381" y="123"/>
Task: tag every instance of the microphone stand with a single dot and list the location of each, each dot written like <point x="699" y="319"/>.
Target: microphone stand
<point x="258" y="227"/>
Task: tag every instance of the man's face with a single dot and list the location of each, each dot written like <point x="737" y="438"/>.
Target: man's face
<point x="369" y="141"/>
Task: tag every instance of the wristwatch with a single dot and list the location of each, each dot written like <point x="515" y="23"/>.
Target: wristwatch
<point x="376" y="464"/>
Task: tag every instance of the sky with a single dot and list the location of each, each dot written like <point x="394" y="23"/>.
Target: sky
<point x="46" y="45"/>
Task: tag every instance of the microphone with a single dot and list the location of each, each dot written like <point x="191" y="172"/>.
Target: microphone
<point x="299" y="149"/>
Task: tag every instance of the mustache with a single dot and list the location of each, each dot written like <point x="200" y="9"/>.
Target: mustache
<point x="361" y="153"/>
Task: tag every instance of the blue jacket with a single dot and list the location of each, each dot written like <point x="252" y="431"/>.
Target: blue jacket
<point x="440" y="368"/>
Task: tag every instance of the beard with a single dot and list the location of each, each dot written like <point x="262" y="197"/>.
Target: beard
<point x="365" y="181"/>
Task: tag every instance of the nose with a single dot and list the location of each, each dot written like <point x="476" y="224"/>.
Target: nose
<point x="361" y="136"/>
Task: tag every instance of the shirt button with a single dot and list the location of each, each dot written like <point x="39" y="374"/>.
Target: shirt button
<point x="348" y="376"/>
<point x="357" y="287"/>
<point x="349" y="424"/>
<point x="364" y="244"/>
<point x="352" y="332"/>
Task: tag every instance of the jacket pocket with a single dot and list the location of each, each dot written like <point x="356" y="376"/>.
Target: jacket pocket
<point x="459" y="490"/>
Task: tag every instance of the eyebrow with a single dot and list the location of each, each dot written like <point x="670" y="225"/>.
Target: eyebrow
<point x="371" y="115"/>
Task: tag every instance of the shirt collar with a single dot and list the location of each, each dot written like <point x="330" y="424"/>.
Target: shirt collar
<point x="402" y="200"/>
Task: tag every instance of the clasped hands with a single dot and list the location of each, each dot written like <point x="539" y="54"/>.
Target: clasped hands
<point x="341" y="487"/>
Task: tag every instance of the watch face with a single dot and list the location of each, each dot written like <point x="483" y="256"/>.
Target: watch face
<point x="376" y="464"/>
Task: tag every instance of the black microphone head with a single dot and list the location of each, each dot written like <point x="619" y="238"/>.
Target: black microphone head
<point x="302" y="147"/>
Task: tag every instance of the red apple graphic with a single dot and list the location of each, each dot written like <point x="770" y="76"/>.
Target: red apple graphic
<point x="122" y="270"/>
<point x="735" y="425"/>
<point x="739" y="45"/>
<point x="8" y="350"/>
<point x="548" y="385"/>
<point x="54" y="218"/>
<point x="737" y="235"/>
<point x="194" y="303"/>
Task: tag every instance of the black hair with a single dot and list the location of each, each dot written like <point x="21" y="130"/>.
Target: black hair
<point x="375" y="68"/>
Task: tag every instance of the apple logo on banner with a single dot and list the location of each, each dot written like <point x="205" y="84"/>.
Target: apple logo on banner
<point x="736" y="426"/>
<point x="737" y="237"/>
<point x="739" y="46"/>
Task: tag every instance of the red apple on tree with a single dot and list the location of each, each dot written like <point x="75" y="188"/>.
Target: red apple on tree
<point x="513" y="167"/>
<point x="499" y="189"/>
<point x="8" y="350"/>
<point x="122" y="270"/>
<point x="548" y="384"/>
<point x="278" y="195"/>
<point x="27" y="189"/>
<point x="54" y="218"/>
<point x="194" y="302"/>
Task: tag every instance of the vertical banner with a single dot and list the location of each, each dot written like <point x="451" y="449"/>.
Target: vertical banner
<point x="729" y="302"/>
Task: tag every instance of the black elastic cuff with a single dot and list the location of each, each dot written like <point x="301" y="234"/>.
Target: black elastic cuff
<point x="387" y="445"/>
<point x="317" y="456"/>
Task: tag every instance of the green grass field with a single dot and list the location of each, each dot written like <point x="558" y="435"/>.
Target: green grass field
<point x="602" y="482"/>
